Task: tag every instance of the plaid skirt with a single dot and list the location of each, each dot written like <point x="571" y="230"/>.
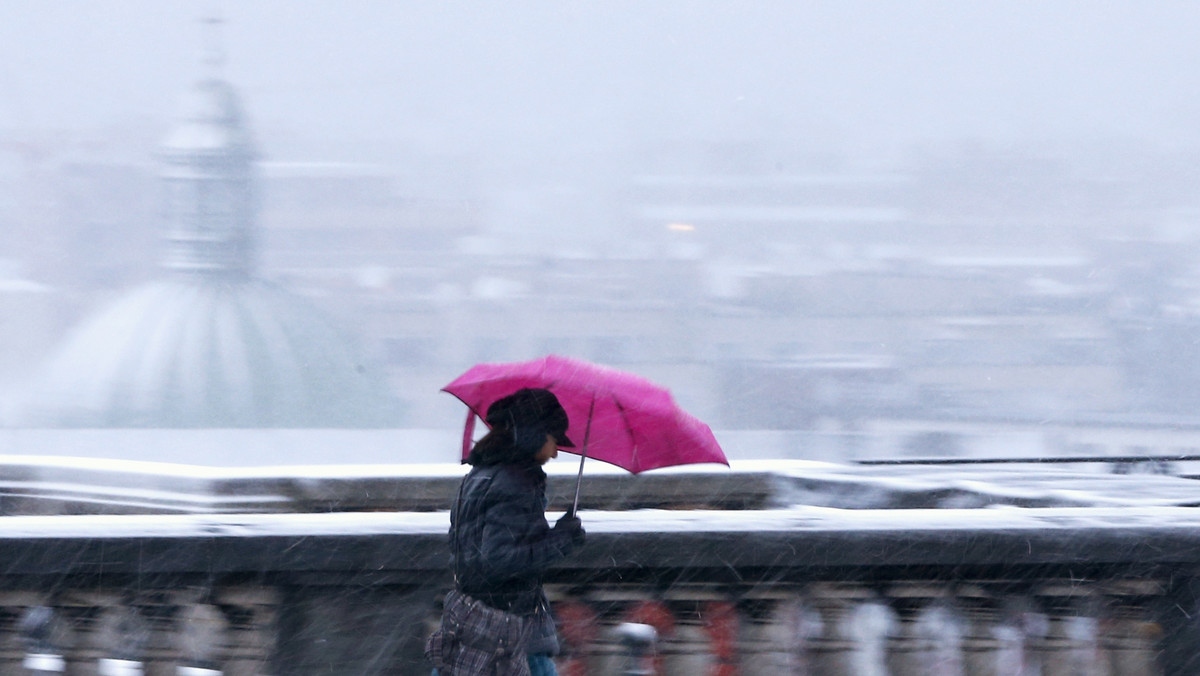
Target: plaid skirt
<point x="475" y="639"/>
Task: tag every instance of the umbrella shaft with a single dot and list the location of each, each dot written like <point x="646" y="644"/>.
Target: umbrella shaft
<point x="587" y="433"/>
<point x="579" y="481"/>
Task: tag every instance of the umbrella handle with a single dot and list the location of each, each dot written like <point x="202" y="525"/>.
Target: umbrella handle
<point x="587" y="433"/>
<point x="579" y="480"/>
<point x="468" y="433"/>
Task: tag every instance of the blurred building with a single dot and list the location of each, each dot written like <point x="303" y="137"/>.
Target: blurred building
<point x="771" y="290"/>
<point x="210" y="344"/>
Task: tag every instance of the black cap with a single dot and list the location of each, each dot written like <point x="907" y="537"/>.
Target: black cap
<point x="531" y="408"/>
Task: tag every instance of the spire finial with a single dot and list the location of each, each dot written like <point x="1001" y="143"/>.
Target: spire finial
<point x="214" y="52"/>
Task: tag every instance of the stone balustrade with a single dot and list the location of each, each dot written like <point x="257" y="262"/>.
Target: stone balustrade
<point x="777" y="589"/>
<point x="1050" y="628"/>
<point x="828" y="629"/>
<point x="800" y="591"/>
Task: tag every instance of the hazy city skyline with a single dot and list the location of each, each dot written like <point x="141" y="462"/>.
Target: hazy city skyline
<point x="542" y="124"/>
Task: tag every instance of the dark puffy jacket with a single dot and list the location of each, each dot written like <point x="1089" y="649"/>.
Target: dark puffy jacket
<point x="504" y="544"/>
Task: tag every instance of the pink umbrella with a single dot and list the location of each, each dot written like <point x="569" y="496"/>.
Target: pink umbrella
<point x="623" y="419"/>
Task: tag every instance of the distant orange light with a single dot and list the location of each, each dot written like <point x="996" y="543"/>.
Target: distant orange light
<point x="680" y="227"/>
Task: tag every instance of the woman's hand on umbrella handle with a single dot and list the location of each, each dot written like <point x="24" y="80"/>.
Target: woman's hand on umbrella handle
<point x="570" y="524"/>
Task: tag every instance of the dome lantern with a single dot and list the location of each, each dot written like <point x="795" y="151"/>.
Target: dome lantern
<point x="209" y="180"/>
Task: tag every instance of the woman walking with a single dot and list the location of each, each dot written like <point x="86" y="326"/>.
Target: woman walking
<point x="496" y="620"/>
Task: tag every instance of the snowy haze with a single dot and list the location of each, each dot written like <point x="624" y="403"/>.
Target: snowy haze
<point x="804" y="218"/>
<point x="493" y="77"/>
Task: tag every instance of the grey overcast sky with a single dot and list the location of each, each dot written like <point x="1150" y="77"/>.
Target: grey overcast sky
<point x="457" y="75"/>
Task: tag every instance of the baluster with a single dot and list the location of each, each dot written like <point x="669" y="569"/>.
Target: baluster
<point x="638" y="643"/>
<point x="605" y="654"/>
<point x="830" y="652"/>
<point x="854" y="629"/>
<point x="1032" y="626"/>
<point x="722" y="624"/>
<point x="944" y="621"/>
<point x="928" y="637"/>
<point x="616" y="606"/>
<point x="1070" y="646"/>
<point x="686" y="650"/>
<point x="1129" y="642"/>
<point x="578" y="628"/>
<point x="907" y="647"/>
<point x="655" y="613"/>
<point x="84" y="623"/>
<point x="773" y="638"/>
<point x="251" y="632"/>
<point x="1129" y="633"/>
<point x="12" y="649"/>
<point x="124" y="633"/>
<point x="159" y="611"/>
<point x="1005" y="637"/>
<point x="43" y="634"/>
<point x="988" y="641"/>
<point x="783" y="636"/>
<point x="704" y="639"/>
<point x="683" y="645"/>
<point x="201" y="631"/>
<point x="872" y="621"/>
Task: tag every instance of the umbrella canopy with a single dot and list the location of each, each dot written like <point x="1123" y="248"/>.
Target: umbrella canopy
<point x="615" y="416"/>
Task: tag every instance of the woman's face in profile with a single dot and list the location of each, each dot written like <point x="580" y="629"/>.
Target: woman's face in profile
<point x="548" y="451"/>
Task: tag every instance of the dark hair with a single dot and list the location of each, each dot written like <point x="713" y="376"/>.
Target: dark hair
<point x="497" y="448"/>
<point x="519" y="425"/>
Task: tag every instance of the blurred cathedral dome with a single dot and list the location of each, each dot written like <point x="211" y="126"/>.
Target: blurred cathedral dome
<point x="210" y="345"/>
<point x="182" y="353"/>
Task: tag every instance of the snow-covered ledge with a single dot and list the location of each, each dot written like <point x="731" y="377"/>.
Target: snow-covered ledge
<point x="45" y="485"/>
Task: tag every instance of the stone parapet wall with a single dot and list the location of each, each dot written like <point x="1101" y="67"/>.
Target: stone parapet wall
<point x="775" y="568"/>
<point x="800" y="591"/>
